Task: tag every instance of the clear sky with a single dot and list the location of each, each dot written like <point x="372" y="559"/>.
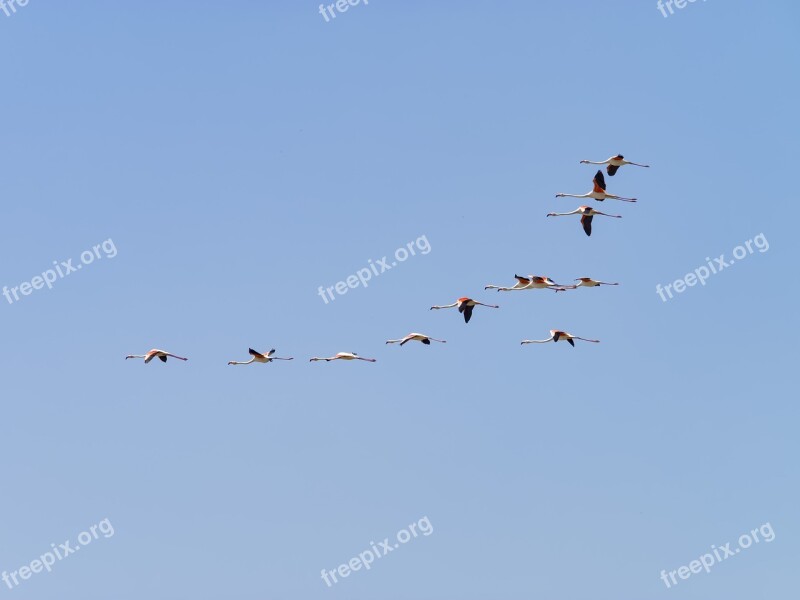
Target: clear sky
<point x="241" y="154"/>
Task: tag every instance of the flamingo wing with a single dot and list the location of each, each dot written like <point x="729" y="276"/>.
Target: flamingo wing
<point x="467" y="310"/>
<point x="426" y="341"/>
<point x="571" y="343"/>
<point x="612" y="170"/>
<point x="162" y="357"/>
<point x="586" y="221"/>
<point x="254" y="353"/>
<point x="599" y="182"/>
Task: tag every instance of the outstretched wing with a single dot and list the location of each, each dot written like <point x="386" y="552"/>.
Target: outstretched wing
<point x="599" y="182"/>
<point x="586" y="221"/>
<point x="256" y="354"/>
<point x="522" y="280"/>
<point x="612" y="169"/>
<point x="571" y="343"/>
<point x="467" y="310"/>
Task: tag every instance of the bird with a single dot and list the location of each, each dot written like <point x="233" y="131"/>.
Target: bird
<point x="531" y="282"/>
<point x="587" y="213"/>
<point x="416" y="337"/>
<point x="598" y="192"/>
<point x="556" y="335"/>
<point x="155" y="352"/>
<point x="614" y="163"/>
<point x="589" y="282"/>
<point x="465" y="305"/>
<point x="343" y="356"/>
<point x="260" y="358"/>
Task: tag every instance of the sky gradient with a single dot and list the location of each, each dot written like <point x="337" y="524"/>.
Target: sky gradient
<point x="241" y="155"/>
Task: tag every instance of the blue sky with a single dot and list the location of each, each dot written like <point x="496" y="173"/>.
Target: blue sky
<point x="240" y="155"/>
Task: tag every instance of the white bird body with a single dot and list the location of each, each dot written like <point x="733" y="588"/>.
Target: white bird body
<point x="465" y="306"/>
<point x="589" y="282"/>
<point x="614" y="163"/>
<point x="416" y="337"/>
<point x="531" y="282"/>
<point x="258" y="357"/>
<point x="557" y="335"/>
<point x="598" y="191"/>
<point x="155" y="353"/>
<point x="343" y="356"/>
<point x="587" y="214"/>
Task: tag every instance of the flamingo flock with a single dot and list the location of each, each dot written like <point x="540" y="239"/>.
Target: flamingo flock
<point x="466" y="305"/>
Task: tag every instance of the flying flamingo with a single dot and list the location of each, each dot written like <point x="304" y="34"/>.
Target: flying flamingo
<point x="589" y="282"/>
<point x="416" y="337"/>
<point x="614" y="163"/>
<point x="531" y="282"/>
<point x="465" y="305"/>
<point x="343" y="356"/>
<point x="587" y="213"/>
<point x="599" y="192"/>
<point x="556" y="335"/>
<point x="259" y="358"/>
<point x="155" y="352"/>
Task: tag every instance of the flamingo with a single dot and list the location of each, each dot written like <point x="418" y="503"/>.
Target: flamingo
<point x="531" y="282"/>
<point x="260" y="358"/>
<point x="556" y="335"/>
<point x="465" y="305"/>
<point x="587" y="213"/>
<point x="589" y="282"/>
<point x="343" y="356"/>
<point x="614" y="163"/>
<point x="599" y="192"/>
<point x="155" y="352"/>
<point x="416" y="337"/>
